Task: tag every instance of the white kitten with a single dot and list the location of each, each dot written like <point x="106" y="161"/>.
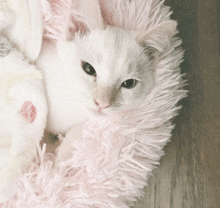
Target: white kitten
<point x="103" y="71"/>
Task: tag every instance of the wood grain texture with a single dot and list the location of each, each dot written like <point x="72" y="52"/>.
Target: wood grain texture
<point x="189" y="173"/>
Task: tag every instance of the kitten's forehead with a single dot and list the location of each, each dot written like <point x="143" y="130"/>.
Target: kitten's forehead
<point x="110" y="45"/>
<point x="120" y="44"/>
<point x="113" y="52"/>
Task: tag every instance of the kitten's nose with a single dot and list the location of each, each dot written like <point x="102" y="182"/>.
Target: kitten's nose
<point x="102" y="104"/>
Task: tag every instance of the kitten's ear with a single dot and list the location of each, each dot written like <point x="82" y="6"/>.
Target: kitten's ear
<point x="91" y="13"/>
<point x="157" y="38"/>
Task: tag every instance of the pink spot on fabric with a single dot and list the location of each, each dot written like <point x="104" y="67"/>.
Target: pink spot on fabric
<point x="28" y="111"/>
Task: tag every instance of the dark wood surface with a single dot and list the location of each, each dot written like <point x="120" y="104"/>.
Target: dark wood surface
<point x="189" y="173"/>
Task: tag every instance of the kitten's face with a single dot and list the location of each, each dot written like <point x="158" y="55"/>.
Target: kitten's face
<point x="114" y="69"/>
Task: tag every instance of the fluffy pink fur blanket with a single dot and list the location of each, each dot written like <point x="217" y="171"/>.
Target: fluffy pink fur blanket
<point x="113" y="160"/>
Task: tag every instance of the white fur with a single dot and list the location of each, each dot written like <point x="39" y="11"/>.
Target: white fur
<point x="64" y="90"/>
<point x="117" y="55"/>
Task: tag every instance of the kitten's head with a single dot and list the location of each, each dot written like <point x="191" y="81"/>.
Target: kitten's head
<point x="115" y="66"/>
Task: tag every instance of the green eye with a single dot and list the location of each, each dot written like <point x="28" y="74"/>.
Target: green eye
<point x="130" y="83"/>
<point x="88" y="68"/>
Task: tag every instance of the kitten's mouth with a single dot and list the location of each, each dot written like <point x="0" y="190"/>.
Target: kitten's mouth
<point x="99" y="112"/>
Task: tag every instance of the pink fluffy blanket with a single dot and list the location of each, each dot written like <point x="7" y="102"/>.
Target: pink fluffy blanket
<point x="113" y="160"/>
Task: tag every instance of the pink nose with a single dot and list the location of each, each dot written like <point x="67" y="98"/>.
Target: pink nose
<point x="102" y="104"/>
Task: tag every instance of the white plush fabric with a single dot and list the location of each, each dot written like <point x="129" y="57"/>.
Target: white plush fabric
<point x="23" y="112"/>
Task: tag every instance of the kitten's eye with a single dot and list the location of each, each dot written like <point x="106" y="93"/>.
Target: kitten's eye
<point x="88" y="68"/>
<point x="130" y="83"/>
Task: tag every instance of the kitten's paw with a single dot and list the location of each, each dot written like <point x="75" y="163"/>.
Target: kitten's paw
<point x="67" y="148"/>
<point x="5" y="46"/>
<point x="64" y="152"/>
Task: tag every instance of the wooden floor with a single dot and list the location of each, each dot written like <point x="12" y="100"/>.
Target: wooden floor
<point x="189" y="174"/>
